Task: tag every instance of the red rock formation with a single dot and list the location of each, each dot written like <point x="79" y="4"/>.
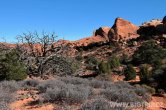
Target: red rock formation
<point x="7" y="45"/>
<point x="153" y="27"/>
<point x="154" y="23"/>
<point x="103" y="32"/>
<point x="99" y="35"/>
<point x="89" y="40"/>
<point x="123" y="30"/>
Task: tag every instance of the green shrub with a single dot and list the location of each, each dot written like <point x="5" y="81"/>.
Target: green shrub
<point x="79" y="57"/>
<point x="149" y="53"/>
<point x="125" y="59"/>
<point x="104" y="67"/>
<point x="129" y="73"/>
<point x="91" y="60"/>
<point x="145" y="73"/>
<point x="149" y="89"/>
<point x="75" y="65"/>
<point x="160" y="77"/>
<point x="114" y="62"/>
<point x="10" y="66"/>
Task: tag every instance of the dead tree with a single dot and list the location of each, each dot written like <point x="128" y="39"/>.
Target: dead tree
<point x="41" y="48"/>
<point x="44" y="41"/>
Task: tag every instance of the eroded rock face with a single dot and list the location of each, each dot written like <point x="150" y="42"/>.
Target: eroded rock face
<point x="103" y="32"/>
<point x="123" y="30"/>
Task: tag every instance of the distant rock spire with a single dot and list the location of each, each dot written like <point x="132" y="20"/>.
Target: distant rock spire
<point x="123" y="30"/>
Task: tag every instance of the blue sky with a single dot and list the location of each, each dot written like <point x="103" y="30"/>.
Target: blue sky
<point x="72" y="19"/>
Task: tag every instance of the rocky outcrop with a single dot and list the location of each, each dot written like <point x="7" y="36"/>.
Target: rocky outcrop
<point x="123" y="30"/>
<point x="89" y="40"/>
<point x="154" y="22"/>
<point x="164" y="20"/>
<point x="103" y="32"/>
<point x="154" y="27"/>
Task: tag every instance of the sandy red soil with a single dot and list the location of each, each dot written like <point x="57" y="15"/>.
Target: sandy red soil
<point x="157" y="103"/>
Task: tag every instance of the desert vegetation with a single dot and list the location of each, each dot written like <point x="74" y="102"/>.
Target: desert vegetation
<point x="86" y="93"/>
<point x="7" y="93"/>
<point x="81" y="76"/>
<point x="12" y="68"/>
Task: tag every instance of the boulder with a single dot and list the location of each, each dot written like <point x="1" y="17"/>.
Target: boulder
<point x="123" y="30"/>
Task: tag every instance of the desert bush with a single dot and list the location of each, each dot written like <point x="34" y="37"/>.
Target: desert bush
<point x="10" y="86"/>
<point x="129" y="73"/>
<point x="58" y="65"/>
<point x="125" y="59"/>
<point x="104" y="67"/>
<point x="74" y="80"/>
<point x="149" y="89"/>
<point x="29" y="83"/>
<point x="150" y="53"/>
<point x="51" y="95"/>
<point x="79" y="57"/>
<point x="63" y="106"/>
<point x="121" y="85"/>
<point x="73" y="90"/>
<point x="114" y="62"/>
<point x="74" y="65"/>
<point x="78" y="94"/>
<point x="4" y="105"/>
<point x="42" y="87"/>
<point x="11" y="68"/>
<point x="159" y="76"/>
<point x="91" y="60"/>
<point x="6" y="97"/>
<point x="153" y="78"/>
<point x="91" y="63"/>
<point x="120" y="95"/>
<point x="107" y="84"/>
<point x="68" y="92"/>
<point x="145" y="73"/>
<point x="96" y="83"/>
<point x="7" y="92"/>
<point x="99" y="104"/>
<point x="142" y="92"/>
